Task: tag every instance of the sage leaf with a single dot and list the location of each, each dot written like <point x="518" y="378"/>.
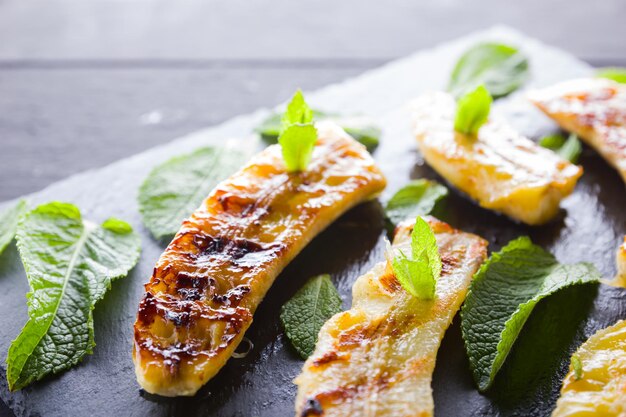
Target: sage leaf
<point x="417" y="198"/>
<point x="502" y="296"/>
<point x="175" y="188"/>
<point x="501" y="68"/>
<point x="70" y="264"/>
<point x="8" y="223"/>
<point x="306" y="312"/>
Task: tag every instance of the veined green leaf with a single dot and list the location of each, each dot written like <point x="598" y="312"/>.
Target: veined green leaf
<point x="174" y="189"/>
<point x="419" y="274"/>
<point x="613" y="73"/>
<point x="70" y="264"/>
<point x="8" y="223"/>
<point x="297" y="134"/>
<point x="306" y="312"/>
<point x="502" y="296"/>
<point x="417" y="198"/>
<point x="360" y="128"/>
<point x="501" y="68"/>
<point x="569" y="148"/>
<point x="472" y="111"/>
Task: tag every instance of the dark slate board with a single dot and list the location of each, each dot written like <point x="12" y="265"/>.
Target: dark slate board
<point x="591" y="225"/>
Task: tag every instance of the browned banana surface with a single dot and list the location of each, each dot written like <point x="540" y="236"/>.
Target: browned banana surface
<point x="594" y="109"/>
<point x="377" y="358"/>
<point x="209" y="281"/>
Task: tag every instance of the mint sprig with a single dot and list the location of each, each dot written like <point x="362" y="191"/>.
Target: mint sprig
<point x="472" y="111"/>
<point x="298" y="134"/>
<point x="418" y="275"/>
<point x="361" y="128"/>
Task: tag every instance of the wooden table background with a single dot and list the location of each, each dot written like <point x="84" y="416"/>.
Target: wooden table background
<point x="86" y="82"/>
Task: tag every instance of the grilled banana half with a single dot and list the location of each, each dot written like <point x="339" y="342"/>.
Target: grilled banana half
<point x="377" y="358"/>
<point x="594" y="109"/>
<point x="501" y="169"/>
<point x="599" y="386"/>
<point x="215" y="272"/>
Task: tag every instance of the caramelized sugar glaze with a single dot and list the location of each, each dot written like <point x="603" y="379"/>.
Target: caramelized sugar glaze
<point x="594" y="109"/>
<point x="212" y="276"/>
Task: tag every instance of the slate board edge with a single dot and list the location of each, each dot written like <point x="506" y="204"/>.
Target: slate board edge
<point x="325" y="98"/>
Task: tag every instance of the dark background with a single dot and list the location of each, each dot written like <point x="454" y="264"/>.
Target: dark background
<point x="84" y="83"/>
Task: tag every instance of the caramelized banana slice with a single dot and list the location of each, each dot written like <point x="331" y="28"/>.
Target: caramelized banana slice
<point x="594" y="109"/>
<point x="377" y="358"/>
<point x="596" y="384"/>
<point x="213" y="275"/>
<point x="501" y="169"/>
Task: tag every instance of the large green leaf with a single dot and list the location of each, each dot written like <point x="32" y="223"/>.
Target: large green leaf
<point x="8" y="223"/>
<point x="306" y="312"/>
<point x="501" y="68"/>
<point x="70" y="264"/>
<point x="174" y="189"/>
<point x="502" y="296"/>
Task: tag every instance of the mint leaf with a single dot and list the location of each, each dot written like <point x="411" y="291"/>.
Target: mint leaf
<point x="501" y="68"/>
<point x="360" y="128"/>
<point x="70" y="264"/>
<point x="297" y="143"/>
<point x="577" y="366"/>
<point x="175" y="188"/>
<point x="419" y="275"/>
<point x="417" y="198"/>
<point x="8" y="223"/>
<point x="472" y="111"/>
<point x="297" y="112"/>
<point x="306" y="312"/>
<point x="613" y="73"/>
<point x="297" y="134"/>
<point x="502" y="296"/>
<point x="569" y="148"/>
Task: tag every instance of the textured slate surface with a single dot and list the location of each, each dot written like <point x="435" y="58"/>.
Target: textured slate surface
<point x="58" y="120"/>
<point x="589" y="229"/>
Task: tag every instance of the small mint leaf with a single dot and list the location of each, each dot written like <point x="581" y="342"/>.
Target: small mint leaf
<point x="418" y="276"/>
<point x="306" y="312"/>
<point x="417" y="198"/>
<point x="472" y="111"/>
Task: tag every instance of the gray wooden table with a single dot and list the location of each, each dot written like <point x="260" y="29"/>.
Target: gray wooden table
<point x="84" y="83"/>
